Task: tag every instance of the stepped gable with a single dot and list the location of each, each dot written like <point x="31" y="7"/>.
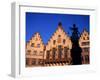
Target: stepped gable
<point x="84" y="35"/>
<point x="35" y="43"/>
<point x="59" y="32"/>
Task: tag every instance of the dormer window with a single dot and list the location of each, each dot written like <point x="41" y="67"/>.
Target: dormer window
<point x="87" y="38"/>
<point x="59" y="35"/>
<point x="32" y="45"/>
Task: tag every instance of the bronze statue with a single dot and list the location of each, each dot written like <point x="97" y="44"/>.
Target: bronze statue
<point x="76" y="49"/>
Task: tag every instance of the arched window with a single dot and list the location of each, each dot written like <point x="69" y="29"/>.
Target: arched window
<point x="83" y="38"/>
<point x="33" y="62"/>
<point x="64" y="41"/>
<point x="48" y="55"/>
<point x="60" y="52"/>
<point x="65" y="52"/>
<point x="87" y="58"/>
<point x="53" y="53"/>
<point x="54" y="41"/>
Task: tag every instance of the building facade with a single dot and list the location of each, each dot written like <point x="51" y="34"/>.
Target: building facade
<point x="35" y="51"/>
<point x="57" y="50"/>
<point x="84" y="43"/>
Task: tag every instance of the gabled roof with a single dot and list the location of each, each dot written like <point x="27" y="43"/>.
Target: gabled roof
<point x="36" y="34"/>
<point x="59" y="27"/>
<point x="84" y="30"/>
<point x="82" y="33"/>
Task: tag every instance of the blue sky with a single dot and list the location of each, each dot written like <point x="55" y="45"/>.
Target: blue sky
<point x="47" y="23"/>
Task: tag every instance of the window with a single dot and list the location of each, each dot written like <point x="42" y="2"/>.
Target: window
<point x="85" y="34"/>
<point x="34" y="52"/>
<point x="28" y="52"/>
<point x="87" y="58"/>
<point x="41" y="53"/>
<point x="40" y="62"/>
<point x="59" y="35"/>
<point x="38" y="45"/>
<point x="54" y="41"/>
<point x="53" y="53"/>
<point x="59" y="51"/>
<point x="33" y="62"/>
<point x="85" y="43"/>
<point x="64" y="41"/>
<point x="36" y="39"/>
<point x="86" y="49"/>
<point x="87" y="38"/>
<point x="27" y="60"/>
<point x="65" y="52"/>
<point x="32" y="45"/>
<point x="48" y="55"/>
<point x="59" y="40"/>
<point x="83" y="38"/>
